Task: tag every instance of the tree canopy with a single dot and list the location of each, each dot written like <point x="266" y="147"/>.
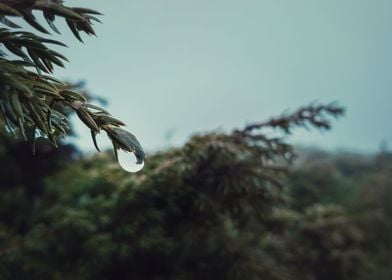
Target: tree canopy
<point x="223" y="206"/>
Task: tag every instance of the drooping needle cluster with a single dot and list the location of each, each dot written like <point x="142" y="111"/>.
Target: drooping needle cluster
<point x="30" y="97"/>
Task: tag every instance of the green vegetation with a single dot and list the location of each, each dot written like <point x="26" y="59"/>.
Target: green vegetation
<point x="223" y="206"/>
<point x="217" y="208"/>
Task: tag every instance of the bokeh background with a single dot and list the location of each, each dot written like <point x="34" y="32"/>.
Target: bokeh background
<point x="170" y="68"/>
<point x="215" y="205"/>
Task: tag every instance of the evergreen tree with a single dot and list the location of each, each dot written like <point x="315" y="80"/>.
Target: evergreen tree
<point x="31" y="99"/>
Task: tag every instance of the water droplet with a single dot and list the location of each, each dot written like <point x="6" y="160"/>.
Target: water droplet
<point x="128" y="160"/>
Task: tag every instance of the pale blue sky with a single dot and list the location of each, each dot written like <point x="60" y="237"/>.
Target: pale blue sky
<point x="191" y="66"/>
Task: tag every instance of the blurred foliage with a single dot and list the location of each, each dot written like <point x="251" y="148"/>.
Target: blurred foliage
<point x="223" y="206"/>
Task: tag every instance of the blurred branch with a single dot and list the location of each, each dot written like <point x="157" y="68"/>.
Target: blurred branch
<point x="312" y="115"/>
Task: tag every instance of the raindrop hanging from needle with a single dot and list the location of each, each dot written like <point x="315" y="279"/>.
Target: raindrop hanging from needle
<point x="128" y="161"/>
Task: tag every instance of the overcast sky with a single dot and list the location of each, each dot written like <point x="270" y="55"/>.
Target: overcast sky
<point x="170" y="68"/>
